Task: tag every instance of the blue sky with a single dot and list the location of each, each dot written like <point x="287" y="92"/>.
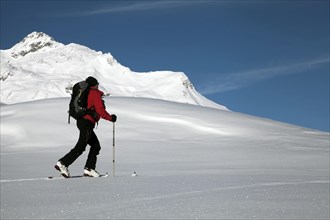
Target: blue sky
<point x="265" y="58"/>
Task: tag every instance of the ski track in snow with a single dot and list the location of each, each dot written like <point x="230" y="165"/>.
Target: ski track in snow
<point x="270" y="184"/>
<point x="228" y="188"/>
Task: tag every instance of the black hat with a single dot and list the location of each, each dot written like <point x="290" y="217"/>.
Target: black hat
<point x="92" y="81"/>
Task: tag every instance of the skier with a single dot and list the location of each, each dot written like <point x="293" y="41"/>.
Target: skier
<point x="87" y="136"/>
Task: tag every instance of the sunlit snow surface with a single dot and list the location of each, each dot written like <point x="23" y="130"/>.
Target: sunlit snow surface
<point x="192" y="162"/>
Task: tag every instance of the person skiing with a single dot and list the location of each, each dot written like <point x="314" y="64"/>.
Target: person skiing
<point x="86" y="124"/>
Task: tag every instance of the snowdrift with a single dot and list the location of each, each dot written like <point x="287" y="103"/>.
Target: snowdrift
<point x="192" y="162"/>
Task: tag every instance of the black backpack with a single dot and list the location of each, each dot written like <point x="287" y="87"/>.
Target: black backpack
<point x="78" y="102"/>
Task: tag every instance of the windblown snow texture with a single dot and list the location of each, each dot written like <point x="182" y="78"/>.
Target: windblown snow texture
<point x="192" y="162"/>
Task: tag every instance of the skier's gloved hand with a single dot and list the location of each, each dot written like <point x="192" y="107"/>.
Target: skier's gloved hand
<point x="113" y="118"/>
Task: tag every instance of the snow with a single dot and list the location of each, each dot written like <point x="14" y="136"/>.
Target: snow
<point x="192" y="162"/>
<point x="39" y="67"/>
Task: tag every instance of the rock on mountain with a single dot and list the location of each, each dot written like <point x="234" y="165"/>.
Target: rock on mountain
<point x="39" y="67"/>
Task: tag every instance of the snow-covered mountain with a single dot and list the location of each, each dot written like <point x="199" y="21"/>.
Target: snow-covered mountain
<point x="39" y="67"/>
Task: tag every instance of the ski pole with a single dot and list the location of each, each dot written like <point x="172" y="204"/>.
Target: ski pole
<point x="113" y="151"/>
<point x="68" y="117"/>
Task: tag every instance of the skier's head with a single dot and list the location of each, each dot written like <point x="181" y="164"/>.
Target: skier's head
<point x="92" y="81"/>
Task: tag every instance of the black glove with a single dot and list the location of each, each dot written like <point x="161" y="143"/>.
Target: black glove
<point x="113" y="118"/>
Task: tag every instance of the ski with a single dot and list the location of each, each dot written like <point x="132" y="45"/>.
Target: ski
<point x="77" y="176"/>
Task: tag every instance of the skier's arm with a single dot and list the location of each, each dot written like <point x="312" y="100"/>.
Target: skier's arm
<point x="100" y="108"/>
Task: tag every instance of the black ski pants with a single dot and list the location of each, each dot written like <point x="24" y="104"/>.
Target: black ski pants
<point x="86" y="136"/>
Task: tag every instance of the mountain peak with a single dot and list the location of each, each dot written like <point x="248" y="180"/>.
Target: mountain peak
<point x="37" y="35"/>
<point x="32" y="43"/>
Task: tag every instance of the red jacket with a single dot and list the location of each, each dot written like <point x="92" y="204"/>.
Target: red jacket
<point x="95" y="102"/>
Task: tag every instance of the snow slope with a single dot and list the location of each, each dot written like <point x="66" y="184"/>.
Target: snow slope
<point x="39" y="67"/>
<point x="192" y="162"/>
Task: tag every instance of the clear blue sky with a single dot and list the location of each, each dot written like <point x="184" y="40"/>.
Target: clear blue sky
<point x="266" y="58"/>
